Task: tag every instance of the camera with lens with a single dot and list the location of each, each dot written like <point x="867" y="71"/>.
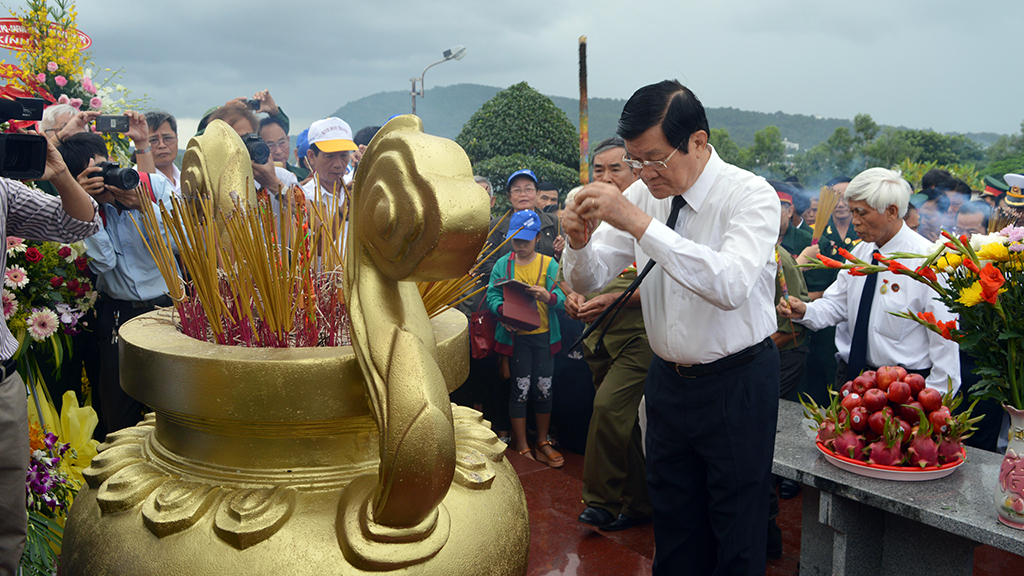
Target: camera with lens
<point x="22" y="156"/>
<point x="114" y="175"/>
<point x="252" y="104"/>
<point x="259" y="152"/>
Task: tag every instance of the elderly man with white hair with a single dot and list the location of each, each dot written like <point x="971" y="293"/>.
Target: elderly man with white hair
<point x="867" y="336"/>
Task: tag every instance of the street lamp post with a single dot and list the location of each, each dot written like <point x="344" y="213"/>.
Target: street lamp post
<point x="454" y="53"/>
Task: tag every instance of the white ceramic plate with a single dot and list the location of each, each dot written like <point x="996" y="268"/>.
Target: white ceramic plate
<point x="908" y="475"/>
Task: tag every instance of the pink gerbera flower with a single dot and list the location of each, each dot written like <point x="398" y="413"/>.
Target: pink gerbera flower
<point x="15" y="277"/>
<point x="42" y="323"/>
<point x="10" y="304"/>
<point x="15" y="245"/>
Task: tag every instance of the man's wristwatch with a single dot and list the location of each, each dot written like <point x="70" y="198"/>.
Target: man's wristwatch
<point x="145" y="150"/>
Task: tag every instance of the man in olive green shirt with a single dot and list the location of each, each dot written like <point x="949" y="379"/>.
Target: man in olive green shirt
<point x="614" y="469"/>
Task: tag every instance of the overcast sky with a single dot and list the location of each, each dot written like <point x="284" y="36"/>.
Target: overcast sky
<point x="939" y="64"/>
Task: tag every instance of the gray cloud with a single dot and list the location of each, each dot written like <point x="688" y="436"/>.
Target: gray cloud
<point x="920" y="63"/>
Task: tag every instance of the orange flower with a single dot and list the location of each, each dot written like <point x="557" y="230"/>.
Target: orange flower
<point x="927" y="273"/>
<point x="927" y="317"/>
<point x="846" y="254"/>
<point x="971" y="265"/>
<point x="830" y="262"/>
<point x="857" y="271"/>
<point x="945" y="327"/>
<point x="991" y="280"/>
<point x="895" y="266"/>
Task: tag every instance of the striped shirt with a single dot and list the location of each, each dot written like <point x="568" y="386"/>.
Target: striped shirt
<point x="32" y="215"/>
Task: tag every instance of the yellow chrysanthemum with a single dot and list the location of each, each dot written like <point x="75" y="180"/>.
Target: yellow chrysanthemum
<point x="948" y="261"/>
<point x="994" y="252"/>
<point x="971" y="295"/>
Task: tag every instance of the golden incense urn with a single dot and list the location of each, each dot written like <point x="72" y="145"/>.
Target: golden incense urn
<point x="330" y="460"/>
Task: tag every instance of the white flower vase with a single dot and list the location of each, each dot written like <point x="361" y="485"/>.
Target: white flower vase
<point x="1009" y="492"/>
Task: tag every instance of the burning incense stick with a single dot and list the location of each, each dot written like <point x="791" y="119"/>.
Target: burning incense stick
<point x="827" y="201"/>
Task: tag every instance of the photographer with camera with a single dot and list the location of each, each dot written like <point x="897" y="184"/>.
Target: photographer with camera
<point x="30" y="214"/>
<point x="260" y="103"/>
<point x="128" y="279"/>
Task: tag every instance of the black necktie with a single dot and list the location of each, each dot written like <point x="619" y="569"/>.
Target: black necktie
<point x="677" y="204"/>
<point x="859" y="343"/>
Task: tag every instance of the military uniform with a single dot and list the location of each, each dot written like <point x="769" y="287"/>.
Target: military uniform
<point x="614" y="471"/>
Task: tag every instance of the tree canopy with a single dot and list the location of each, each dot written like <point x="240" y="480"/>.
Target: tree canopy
<point x="522" y="128"/>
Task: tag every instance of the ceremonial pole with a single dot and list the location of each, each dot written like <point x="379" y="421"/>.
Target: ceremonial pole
<point x="584" y="121"/>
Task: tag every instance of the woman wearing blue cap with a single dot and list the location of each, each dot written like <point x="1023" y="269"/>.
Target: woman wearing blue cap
<point x="531" y="351"/>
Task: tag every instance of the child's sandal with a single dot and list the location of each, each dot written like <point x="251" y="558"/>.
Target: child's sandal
<point x="554" y="460"/>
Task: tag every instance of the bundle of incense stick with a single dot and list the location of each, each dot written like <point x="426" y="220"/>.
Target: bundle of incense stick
<point x="273" y="283"/>
<point x="827" y="200"/>
<point x="1000" y="219"/>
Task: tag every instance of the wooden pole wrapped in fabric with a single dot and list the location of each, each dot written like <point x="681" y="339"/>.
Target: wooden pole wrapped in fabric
<point x="584" y="121"/>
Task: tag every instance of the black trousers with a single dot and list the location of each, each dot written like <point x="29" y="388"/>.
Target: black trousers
<point x="115" y="408"/>
<point x="710" y="443"/>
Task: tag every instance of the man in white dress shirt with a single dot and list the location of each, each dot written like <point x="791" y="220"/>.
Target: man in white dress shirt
<point x="712" y="389"/>
<point x="878" y="199"/>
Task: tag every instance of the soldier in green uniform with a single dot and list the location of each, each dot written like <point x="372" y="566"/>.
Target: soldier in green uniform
<point x="614" y="470"/>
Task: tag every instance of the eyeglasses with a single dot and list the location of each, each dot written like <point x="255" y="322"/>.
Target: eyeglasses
<point x="658" y="165"/>
<point x="518" y="190"/>
<point x="281" y="144"/>
<point x="167" y="139"/>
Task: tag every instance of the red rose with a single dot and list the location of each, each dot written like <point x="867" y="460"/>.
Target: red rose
<point x="82" y="263"/>
<point x="33" y="254"/>
<point x="73" y="285"/>
<point x="64" y="251"/>
<point x="991" y="280"/>
<point x="56" y="281"/>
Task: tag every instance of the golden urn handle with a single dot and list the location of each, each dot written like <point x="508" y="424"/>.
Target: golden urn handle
<point x="416" y="215"/>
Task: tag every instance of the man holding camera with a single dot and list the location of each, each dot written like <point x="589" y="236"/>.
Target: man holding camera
<point x="129" y="282"/>
<point x="29" y="214"/>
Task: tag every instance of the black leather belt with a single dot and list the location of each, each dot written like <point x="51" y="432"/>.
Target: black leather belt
<point x="743" y="357"/>
<point x="8" y="367"/>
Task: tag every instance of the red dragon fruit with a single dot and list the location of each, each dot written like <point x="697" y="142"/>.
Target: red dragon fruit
<point x="849" y="444"/>
<point x="886" y="451"/>
<point x="923" y="451"/>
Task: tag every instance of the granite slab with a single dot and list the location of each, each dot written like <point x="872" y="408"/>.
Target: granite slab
<point x="960" y="504"/>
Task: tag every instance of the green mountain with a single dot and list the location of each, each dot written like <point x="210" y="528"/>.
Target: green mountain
<point x="445" y="109"/>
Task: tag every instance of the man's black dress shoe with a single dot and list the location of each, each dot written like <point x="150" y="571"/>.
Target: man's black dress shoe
<point x="788" y="489"/>
<point x="596" y="517"/>
<point x="623" y="522"/>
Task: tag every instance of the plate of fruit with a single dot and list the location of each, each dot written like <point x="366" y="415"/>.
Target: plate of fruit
<point x="888" y="424"/>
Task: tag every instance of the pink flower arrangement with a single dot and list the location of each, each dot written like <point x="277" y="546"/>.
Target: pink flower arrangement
<point x="15" y="277"/>
<point x="95" y="103"/>
<point x="60" y="81"/>
<point x="51" y="66"/>
<point x="15" y="245"/>
<point x="40" y="77"/>
<point x="10" y="303"/>
<point x="63" y="99"/>
<point x="88" y="86"/>
<point x="75" y="103"/>
<point x="42" y="323"/>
